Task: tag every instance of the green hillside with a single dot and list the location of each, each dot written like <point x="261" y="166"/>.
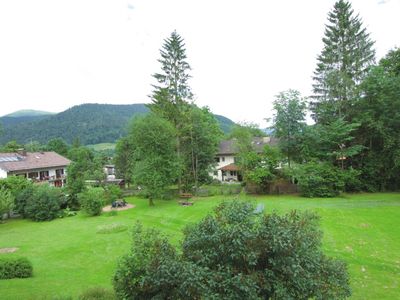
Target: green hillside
<point x="91" y="123"/>
<point x="29" y="113"/>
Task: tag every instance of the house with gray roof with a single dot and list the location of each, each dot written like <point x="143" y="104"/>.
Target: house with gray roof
<point x="226" y="169"/>
<point x="37" y="166"/>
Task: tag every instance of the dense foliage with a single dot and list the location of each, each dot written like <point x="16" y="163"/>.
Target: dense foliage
<point x="155" y="163"/>
<point x="317" y="179"/>
<point x="6" y="202"/>
<point x="12" y="267"/>
<point x="43" y="204"/>
<point x="235" y="254"/>
<point x="84" y="166"/>
<point x="92" y="200"/>
<point x="289" y="122"/>
<point x="91" y="123"/>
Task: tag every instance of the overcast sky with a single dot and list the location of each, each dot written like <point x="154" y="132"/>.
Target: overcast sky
<point x="55" y="54"/>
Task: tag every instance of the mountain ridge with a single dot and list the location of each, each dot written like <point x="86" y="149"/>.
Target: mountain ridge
<point x="91" y="123"/>
<point x="28" y="113"/>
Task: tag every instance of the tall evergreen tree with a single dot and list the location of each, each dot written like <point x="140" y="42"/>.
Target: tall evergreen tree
<point x="171" y="97"/>
<point x="343" y="63"/>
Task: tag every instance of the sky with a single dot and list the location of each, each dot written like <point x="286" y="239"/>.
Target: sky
<point x="55" y="54"/>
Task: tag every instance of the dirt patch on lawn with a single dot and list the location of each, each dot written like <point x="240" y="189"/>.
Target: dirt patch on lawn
<point x="127" y="206"/>
<point x="8" y="250"/>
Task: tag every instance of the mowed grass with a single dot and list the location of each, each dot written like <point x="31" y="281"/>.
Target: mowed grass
<point x="102" y="146"/>
<point x="69" y="255"/>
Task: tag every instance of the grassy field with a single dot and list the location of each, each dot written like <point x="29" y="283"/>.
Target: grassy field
<point x="102" y="146"/>
<point x="69" y="255"/>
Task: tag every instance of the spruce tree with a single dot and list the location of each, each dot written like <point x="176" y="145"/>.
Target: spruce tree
<point x="170" y="99"/>
<point x="343" y="63"/>
<point x="172" y="94"/>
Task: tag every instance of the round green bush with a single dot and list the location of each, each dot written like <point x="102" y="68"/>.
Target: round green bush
<point x="92" y="201"/>
<point x="44" y="205"/>
<point x="15" y="268"/>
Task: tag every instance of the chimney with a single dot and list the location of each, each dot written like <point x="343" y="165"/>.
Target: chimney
<point x="21" y="151"/>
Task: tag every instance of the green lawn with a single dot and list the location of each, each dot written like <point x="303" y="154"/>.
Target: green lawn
<point x="102" y="146"/>
<point x="68" y="255"/>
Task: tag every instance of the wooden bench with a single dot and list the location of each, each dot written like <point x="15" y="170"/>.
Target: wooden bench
<point x="185" y="196"/>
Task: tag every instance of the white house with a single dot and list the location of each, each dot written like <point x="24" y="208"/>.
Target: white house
<point x="226" y="169"/>
<point x="37" y="166"/>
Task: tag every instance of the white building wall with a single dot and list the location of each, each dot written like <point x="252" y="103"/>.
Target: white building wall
<point x="224" y="160"/>
<point x="3" y="174"/>
<point x="52" y="172"/>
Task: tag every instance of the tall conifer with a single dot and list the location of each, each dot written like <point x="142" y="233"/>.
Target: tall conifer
<point x="343" y="63"/>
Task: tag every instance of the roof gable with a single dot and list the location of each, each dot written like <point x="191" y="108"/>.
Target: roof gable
<point x="230" y="147"/>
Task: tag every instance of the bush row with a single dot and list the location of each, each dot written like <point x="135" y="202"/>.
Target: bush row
<point x="218" y="189"/>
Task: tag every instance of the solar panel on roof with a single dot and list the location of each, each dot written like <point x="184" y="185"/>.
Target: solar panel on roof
<point x="8" y="158"/>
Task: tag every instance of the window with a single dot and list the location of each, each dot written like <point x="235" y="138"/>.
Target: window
<point x="217" y="159"/>
<point x="59" y="173"/>
<point x="44" y="175"/>
<point x="33" y="175"/>
<point x="223" y="158"/>
<point x="215" y="173"/>
<point x="233" y="173"/>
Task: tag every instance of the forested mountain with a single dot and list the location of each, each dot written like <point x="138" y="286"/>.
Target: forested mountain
<point x="90" y="123"/>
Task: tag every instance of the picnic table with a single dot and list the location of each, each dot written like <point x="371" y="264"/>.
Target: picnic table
<point x="118" y="203"/>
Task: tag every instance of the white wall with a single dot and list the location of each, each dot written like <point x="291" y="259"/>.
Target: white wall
<point x="3" y="174"/>
<point x="52" y="172"/>
<point x="224" y="160"/>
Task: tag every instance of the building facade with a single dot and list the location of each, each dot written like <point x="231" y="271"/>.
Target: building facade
<point x="36" y="166"/>
<point x="226" y="169"/>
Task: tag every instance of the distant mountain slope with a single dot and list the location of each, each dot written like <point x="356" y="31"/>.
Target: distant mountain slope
<point x="91" y="123"/>
<point x="29" y="113"/>
<point x="12" y="121"/>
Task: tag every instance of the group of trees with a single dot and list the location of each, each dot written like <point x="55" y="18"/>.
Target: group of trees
<point x="353" y="144"/>
<point x="176" y="143"/>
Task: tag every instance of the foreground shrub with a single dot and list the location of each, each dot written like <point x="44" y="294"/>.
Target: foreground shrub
<point x="15" y="268"/>
<point x="234" y="254"/>
<point x="320" y="179"/>
<point x="92" y="201"/>
<point x="44" y="203"/>
<point x="97" y="293"/>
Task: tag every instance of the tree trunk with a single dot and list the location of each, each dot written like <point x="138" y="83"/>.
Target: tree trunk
<point x="151" y="202"/>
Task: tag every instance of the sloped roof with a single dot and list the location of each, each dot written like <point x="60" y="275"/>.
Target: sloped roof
<point x="31" y="160"/>
<point x="229" y="146"/>
<point x="230" y="167"/>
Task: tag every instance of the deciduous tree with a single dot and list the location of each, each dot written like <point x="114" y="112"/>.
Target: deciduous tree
<point x="289" y="122"/>
<point x="155" y="163"/>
